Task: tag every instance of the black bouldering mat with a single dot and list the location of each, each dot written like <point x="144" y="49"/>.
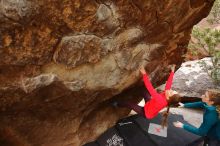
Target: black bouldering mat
<point x="133" y="131"/>
<point x="92" y="144"/>
<point x="111" y="138"/>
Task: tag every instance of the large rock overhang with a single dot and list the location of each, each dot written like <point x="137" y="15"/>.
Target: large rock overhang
<point x="62" y="61"/>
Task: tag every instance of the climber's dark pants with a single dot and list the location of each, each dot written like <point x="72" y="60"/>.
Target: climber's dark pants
<point x="138" y="109"/>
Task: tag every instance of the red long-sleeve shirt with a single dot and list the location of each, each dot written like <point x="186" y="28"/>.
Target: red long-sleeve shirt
<point x="158" y="100"/>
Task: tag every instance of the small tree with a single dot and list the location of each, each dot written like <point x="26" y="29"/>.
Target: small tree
<point x="208" y="40"/>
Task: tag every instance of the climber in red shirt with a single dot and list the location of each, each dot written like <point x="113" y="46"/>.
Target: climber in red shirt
<point x="154" y="101"/>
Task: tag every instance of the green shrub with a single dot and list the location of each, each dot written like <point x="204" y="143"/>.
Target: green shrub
<point x="208" y="40"/>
